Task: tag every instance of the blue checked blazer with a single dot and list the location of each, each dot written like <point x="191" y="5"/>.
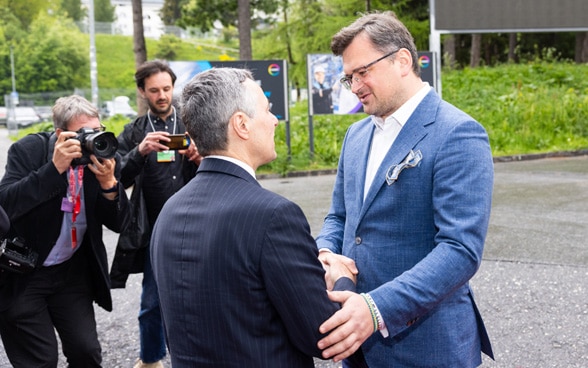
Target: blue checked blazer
<point x="418" y="240"/>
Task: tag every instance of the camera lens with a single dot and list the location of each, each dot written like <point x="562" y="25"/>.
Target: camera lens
<point x="103" y="144"/>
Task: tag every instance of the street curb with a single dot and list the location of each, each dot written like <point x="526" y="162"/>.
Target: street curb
<point x="538" y="156"/>
<point x="512" y="158"/>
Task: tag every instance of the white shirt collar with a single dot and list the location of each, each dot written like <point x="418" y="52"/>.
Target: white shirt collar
<point x="239" y="163"/>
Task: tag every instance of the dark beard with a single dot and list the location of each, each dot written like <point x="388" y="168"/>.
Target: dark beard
<point x="159" y="112"/>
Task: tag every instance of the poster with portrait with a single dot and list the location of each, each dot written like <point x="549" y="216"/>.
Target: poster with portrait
<point x="271" y="75"/>
<point x="326" y="95"/>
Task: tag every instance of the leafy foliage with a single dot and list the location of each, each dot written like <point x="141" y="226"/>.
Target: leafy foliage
<point x="103" y="11"/>
<point x="62" y="61"/>
<point x="25" y="11"/>
<point x="203" y="13"/>
<point x="73" y="9"/>
<point x="536" y="107"/>
<point x="172" y="11"/>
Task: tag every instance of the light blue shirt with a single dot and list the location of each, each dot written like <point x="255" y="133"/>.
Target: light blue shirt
<point x="63" y="250"/>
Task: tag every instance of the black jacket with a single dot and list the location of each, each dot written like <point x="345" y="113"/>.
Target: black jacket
<point x="31" y="192"/>
<point x="133" y="244"/>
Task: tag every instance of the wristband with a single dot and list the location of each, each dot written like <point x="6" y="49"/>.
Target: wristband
<point x="372" y="311"/>
<point x="110" y="190"/>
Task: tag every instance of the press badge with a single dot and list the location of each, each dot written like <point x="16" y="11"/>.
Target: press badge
<point x="66" y="205"/>
<point x="166" y="156"/>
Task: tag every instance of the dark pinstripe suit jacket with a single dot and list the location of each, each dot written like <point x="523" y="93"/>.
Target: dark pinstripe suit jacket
<point x="239" y="279"/>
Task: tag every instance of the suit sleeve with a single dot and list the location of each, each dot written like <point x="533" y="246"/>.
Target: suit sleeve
<point x="295" y="278"/>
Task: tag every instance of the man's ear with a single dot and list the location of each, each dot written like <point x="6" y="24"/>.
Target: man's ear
<point x="239" y="124"/>
<point x="405" y="59"/>
<point x="58" y="132"/>
<point x="141" y="92"/>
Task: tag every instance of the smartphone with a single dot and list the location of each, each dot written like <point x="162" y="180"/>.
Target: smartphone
<point x="178" y="141"/>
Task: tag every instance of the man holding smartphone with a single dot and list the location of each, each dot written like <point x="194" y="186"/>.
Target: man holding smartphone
<point x="156" y="172"/>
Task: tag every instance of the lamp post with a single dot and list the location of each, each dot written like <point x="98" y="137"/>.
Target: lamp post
<point x="93" y="62"/>
<point x="12" y="101"/>
<point x="12" y="68"/>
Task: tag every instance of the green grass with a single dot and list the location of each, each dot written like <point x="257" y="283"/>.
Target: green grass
<point x="532" y="108"/>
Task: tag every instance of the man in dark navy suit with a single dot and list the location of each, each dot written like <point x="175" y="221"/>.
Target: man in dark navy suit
<point x="237" y="269"/>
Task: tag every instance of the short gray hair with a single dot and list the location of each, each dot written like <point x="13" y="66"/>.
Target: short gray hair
<point x="68" y="108"/>
<point x="208" y="102"/>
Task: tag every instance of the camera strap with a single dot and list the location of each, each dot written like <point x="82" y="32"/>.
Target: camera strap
<point x="74" y="199"/>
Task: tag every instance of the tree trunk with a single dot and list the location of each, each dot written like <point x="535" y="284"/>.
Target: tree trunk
<point x="244" y="25"/>
<point x="475" y="50"/>
<point x="449" y="56"/>
<point x="139" y="47"/>
<point x="512" y="45"/>
<point x="581" y="53"/>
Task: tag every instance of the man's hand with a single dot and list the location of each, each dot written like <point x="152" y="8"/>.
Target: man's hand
<point x="151" y="143"/>
<point x="192" y="153"/>
<point x="349" y="327"/>
<point x="104" y="171"/>
<point x="65" y="151"/>
<point x="336" y="266"/>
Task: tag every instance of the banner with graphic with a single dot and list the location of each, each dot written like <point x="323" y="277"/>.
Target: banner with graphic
<point x="326" y="95"/>
<point x="426" y="61"/>
<point x="272" y="76"/>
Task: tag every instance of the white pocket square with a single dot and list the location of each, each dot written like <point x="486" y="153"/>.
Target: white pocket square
<point x="412" y="159"/>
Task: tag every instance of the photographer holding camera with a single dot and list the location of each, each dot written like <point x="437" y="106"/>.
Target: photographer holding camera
<point x="58" y="190"/>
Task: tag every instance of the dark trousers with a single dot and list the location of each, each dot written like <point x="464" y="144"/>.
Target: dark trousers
<point x="56" y="298"/>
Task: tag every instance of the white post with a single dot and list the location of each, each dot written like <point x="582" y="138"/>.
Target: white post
<point x="435" y="44"/>
<point x="93" y="62"/>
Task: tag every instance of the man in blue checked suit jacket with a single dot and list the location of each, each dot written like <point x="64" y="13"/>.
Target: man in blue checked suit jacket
<point x="237" y="269"/>
<point x="411" y="206"/>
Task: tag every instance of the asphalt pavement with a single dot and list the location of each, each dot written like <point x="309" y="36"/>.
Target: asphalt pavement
<point x="532" y="286"/>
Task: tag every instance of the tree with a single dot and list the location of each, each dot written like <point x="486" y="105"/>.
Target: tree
<point x="139" y="47"/>
<point x="244" y="26"/>
<point x="103" y="11"/>
<point x="204" y="13"/>
<point x="475" y="50"/>
<point x="26" y="11"/>
<point x="171" y="11"/>
<point x="73" y="8"/>
<point x="512" y="44"/>
<point x="581" y="52"/>
<point x="61" y="61"/>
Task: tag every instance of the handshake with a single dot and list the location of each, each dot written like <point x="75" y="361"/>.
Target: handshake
<point x="337" y="266"/>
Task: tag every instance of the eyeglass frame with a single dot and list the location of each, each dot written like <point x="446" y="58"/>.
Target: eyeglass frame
<point x="100" y="129"/>
<point x="347" y="80"/>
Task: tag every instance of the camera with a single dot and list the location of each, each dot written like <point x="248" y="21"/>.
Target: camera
<point x="101" y="144"/>
<point x="16" y="257"/>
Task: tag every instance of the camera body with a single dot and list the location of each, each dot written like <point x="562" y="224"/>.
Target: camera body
<point x="16" y="257"/>
<point x="101" y="144"/>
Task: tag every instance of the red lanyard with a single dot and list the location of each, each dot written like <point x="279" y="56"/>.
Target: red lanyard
<point x="74" y="197"/>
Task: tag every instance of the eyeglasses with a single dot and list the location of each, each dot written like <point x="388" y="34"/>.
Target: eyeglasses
<point x="359" y="74"/>
<point x="102" y="128"/>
